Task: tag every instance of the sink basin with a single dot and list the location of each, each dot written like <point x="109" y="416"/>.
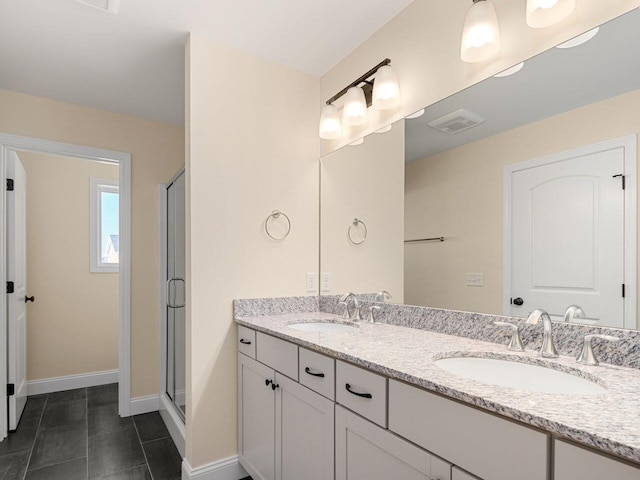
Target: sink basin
<point x="521" y="376"/>
<point x="323" y="326"/>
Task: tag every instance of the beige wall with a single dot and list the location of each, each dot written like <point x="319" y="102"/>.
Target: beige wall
<point x="157" y="151"/>
<point x="459" y="194"/>
<point x="365" y="182"/>
<point x="423" y="43"/>
<point x="72" y="327"/>
<point x="252" y="148"/>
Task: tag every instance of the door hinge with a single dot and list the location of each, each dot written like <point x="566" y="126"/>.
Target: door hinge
<point x="11" y="389"/>
<point x="10" y="287"/>
<point x="10" y="184"/>
<point x="623" y="290"/>
<point x="624" y="179"/>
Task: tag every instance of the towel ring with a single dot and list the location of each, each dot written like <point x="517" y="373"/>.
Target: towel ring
<point x="275" y="215"/>
<point x="355" y="224"/>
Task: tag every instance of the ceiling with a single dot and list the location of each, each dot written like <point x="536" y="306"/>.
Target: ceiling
<point x="556" y="81"/>
<point x="133" y="62"/>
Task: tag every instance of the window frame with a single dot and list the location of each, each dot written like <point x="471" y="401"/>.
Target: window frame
<point x="97" y="186"/>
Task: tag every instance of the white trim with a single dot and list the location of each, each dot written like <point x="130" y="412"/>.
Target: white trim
<point x="162" y="286"/>
<point x="629" y="144"/>
<point x="225" y="469"/>
<point x="140" y="405"/>
<point x="123" y="159"/>
<point x="97" y="186"/>
<point x="70" y="382"/>
<point x="174" y="422"/>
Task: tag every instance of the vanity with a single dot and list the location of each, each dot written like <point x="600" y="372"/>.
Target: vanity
<point x="370" y="402"/>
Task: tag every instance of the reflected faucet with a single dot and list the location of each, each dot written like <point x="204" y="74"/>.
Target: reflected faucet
<point x="573" y="311"/>
<point x="382" y="296"/>
<point x="548" y="349"/>
<point x="345" y="300"/>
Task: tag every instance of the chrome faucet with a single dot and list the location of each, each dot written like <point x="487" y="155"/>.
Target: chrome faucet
<point x="573" y="311"/>
<point x="586" y="356"/>
<point x="344" y="300"/>
<point x="548" y="349"/>
<point x="382" y="296"/>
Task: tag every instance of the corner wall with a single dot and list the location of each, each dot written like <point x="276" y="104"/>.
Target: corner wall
<point x="252" y="148"/>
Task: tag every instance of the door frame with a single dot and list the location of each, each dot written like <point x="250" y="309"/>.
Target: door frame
<point x="629" y="144"/>
<point x="19" y="143"/>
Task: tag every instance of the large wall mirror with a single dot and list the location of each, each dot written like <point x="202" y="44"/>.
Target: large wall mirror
<point x="503" y="198"/>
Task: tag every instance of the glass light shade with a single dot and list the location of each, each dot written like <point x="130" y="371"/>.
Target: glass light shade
<point x="543" y="13"/>
<point x="580" y="39"/>
<point x="510" y="71"/>
<point x="357" y="142"/>
<point x="417" y="114"/>
<point x="481" y="33"/>
<point x="385" y="129"/>
<point x="330" y="125"/>
<point x="355" y="112"/>
<point x="386" y="89"/>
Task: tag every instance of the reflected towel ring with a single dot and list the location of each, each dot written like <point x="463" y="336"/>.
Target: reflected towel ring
<point x="355" y="224"/>
<point x="275" y="215"/>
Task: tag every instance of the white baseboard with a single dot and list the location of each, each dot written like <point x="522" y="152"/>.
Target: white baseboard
<point x="174" y="423"/>
<point x="225" y="469"/>
<point x="70" y="382"/>
<point x="140" y="405"/>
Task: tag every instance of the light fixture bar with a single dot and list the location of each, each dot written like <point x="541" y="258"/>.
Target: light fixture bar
<point x="362" y="79"/>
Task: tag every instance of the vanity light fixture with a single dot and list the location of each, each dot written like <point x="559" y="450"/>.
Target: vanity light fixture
<point x="378" y="87"/>
<point x="359" y="141"/>
<point x="510" y="71"/>
<point x="481" y="33"/>
<point x="384" y="129"/>
<point x="543" y="13"/>
<point x="417" y="114"/>
<point x="580" y="39"/>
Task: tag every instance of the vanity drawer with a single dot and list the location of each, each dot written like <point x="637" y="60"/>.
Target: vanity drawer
<point x="318" y="373"/>
<point x="574" y="462"/>
<point x="247" y="341"/>
<point x="280" y="355"/>
<point x="362" y="391"/>
<point x="484" y="444"/>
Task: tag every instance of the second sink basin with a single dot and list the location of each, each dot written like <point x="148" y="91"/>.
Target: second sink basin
<point x="323" y="326"/>
<point x="518" y="375"/>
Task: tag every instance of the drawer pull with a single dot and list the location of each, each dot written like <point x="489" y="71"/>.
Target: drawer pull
<point x="308" y="370"/>
<point x="363" y="395"/>
<point x="245" y="342"/>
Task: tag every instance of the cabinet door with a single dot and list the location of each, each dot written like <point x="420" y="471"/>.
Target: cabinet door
<point x="366" y="451"/>
<point x="573" y="462"/>
<point x="256" y="410"/>
<point x="304" y="433"/>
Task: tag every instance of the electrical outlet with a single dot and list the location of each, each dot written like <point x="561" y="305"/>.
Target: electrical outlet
<point x="312" y="282"/>
<point x="325" y="282"/>
<point x="475" y="279"/>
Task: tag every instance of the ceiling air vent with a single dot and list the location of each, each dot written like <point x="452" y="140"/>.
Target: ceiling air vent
<point x="456" y="122"/>
<point x="109" y="6"/>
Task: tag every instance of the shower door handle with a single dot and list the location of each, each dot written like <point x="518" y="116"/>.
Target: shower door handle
<point x="172" y="303"/>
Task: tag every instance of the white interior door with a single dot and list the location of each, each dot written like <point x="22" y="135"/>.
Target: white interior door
<point x="568" y="236"/>
<point x="17" y="273"/>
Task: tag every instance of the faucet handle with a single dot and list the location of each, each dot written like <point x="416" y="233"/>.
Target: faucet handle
<point x="515" y="344"/>
<point x="587" y="356"/>
<point x="371" y="316"/>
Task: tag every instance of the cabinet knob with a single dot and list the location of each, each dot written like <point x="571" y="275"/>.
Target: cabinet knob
<point x="267" y="382"/>
<point x="274" y="386"/>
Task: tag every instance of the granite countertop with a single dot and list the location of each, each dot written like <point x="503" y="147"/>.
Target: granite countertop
<point x="607" y="421"/>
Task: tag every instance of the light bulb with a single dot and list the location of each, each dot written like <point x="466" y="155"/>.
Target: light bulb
<point x="330" y="126"/>
<point x="481" y="33"/>
<point x="355" y="107"/>
<point x="543" y="13"/>
<point x="386" y="89"/>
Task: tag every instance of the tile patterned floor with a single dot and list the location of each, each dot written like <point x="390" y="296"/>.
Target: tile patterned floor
<point x="78" y="435"/>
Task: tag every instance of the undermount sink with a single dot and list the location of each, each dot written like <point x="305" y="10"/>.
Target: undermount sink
<point x="518" y="375"/>
<point x="323" y="326"/>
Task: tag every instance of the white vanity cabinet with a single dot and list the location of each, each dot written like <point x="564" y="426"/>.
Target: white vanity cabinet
<point x="285" y="430"/>
<point x="572" y="462"/>
<point x="366" y="451"/>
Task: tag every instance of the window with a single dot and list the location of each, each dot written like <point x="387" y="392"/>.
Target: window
<point x="104" y="224"/>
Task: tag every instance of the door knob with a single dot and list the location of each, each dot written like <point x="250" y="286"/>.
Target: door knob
<point x="29" y="299"/>
<point x="518" y="301"/>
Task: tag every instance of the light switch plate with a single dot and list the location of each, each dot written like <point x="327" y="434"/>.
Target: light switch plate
<point x="312" y="282"/>
<point x="475" y="279"/>
<point x="325" y="282"/>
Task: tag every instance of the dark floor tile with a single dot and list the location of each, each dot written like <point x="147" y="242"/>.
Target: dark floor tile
<point x="137" y="473"/>
<point x="34" y="407"/>
<point x="12" y="466"/>
<point x="150" y="427"/>
<point x="67" y="395"/>
<point x="113" y="452"/>
<point x="163" y="458"/>
<point x="22" y="438"/>
<point x="58" y="445"/>
<point x="64" y="413"/>
<point x="74" y="470"/>
<point x="105" y="419"/>
<point x="102" y="395"/>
